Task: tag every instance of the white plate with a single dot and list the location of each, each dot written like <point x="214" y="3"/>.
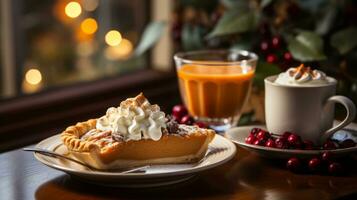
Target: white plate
<point x="238" y="135"/>
<point x="220" y="151"/>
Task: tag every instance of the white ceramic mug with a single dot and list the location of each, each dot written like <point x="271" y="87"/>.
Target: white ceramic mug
<point x="307" y="111"/>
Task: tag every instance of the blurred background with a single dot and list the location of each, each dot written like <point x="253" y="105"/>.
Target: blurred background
<point x="65" y="54"/>
<point x="50" y="43"/>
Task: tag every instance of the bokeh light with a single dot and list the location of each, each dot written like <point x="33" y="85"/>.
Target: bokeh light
<point x="89" y="26"/>
<point x="73" y="9"/>
<point x="113" y="38"/>
<point x="119" y="52"/>
<point x="33" y="76"/>
<point x="90" y="5"/>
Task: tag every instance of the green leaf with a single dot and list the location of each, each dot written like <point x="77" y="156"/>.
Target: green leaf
<point x="306" y="46"/>
<point x="234" y="22"/>
<point x="192" y="37"/>
<point x="344" y="40"/>
<point x="151" y="35"/>
<point x="264" y="70"/>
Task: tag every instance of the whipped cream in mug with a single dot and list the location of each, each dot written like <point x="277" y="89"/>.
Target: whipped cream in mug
<point x="134" y="119"/>
<point x="302" y="76"/>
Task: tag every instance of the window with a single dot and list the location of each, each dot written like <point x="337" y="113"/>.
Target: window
<point x="62" y="42"/>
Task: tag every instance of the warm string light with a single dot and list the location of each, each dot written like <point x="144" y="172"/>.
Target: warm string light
<point x="119" y="48"/>
<point x="124" y="48"/>
<point x="90" y="5"/>
<point x="121" y="51"/>
<point x="113" y="38"/>
<point x="32" y="81"/>
<point x="89" y="26"/>
<point x="33" y="76"/>
<point x="73" y="9"/>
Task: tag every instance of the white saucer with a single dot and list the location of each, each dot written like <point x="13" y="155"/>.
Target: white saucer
<point x="238" y="135"/>
<point x="220" y="151"/>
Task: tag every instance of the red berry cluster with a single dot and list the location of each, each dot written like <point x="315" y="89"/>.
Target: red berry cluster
<point x="289" y="140"/>
<point x="272" y="49"/>
<point x="325" y="163"/>
<point x="181" y="116"/>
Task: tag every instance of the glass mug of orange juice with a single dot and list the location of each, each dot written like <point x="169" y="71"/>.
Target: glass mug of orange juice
<point x="215" y="84"/>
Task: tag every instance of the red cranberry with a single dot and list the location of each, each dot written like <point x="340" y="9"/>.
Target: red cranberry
<point x="288" y="57"/>
<point x="264" y="46"/>
<point x="293" y="164"/>
<point x="254" y="131"/>
<point x="270" y="143"/>
<point x="286" y="135"/>
<point x="179" y="111"/>
<point x="187" y="119"/>
<point x="250" y="139"/>
<point x="347" y="143"/>
<point x="326" y="156"/>
<point x="281" y="143"/>
<point x="201" y="124"/>
<point x="335" y="168"/>
<point x="258" y="142"/>
<point x="276" y="42"/>
<point x="263" y="135"/>
<point x="294" y="140"/>
<point x="329" y="145"/>
<point x="308" y="145"/>
<point x="314" y="164"/>
<point x="271" y="58"/>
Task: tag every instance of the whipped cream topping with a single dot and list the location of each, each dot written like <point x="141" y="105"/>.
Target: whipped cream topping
<point x="301" y="76"/>
<point x="134" y="119"/>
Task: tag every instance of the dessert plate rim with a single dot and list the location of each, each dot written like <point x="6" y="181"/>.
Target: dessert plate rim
<point x="237" y="135"/>
<point x="46" y="143"/>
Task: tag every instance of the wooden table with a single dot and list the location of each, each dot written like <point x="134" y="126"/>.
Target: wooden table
<point x="244" y="177"/>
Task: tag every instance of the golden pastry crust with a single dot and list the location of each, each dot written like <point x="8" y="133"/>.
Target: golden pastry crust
<point x="71" y="137"/>
<point x="101" y="151"/>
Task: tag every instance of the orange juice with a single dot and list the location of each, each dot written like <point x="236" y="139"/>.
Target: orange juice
<point x="214" y="91"/>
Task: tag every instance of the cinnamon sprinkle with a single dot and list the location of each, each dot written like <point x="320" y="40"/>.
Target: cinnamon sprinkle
<point x="298" y="72"/>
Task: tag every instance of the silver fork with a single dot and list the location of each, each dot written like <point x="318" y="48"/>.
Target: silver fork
<point x="56" y="155"/>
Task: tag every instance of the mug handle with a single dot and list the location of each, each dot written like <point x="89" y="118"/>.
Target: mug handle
<point x="350" y="114"/>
